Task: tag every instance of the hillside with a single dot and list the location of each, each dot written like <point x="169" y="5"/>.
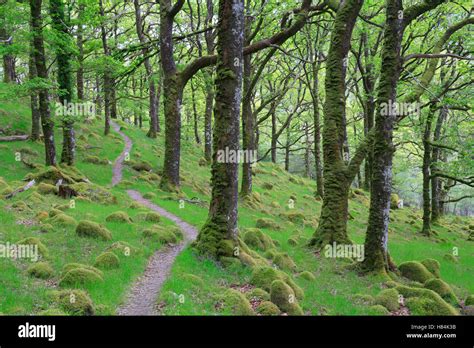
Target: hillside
<point x="275" y="223"/>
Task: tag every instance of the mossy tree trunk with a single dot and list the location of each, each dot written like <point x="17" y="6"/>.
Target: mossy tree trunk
<point x="42" y="72"/>
<point x="80" y="54"/>
<point x="218" y="237"/>
<point x="317" y="126"/>
<point x="209" y="37"/>
<point x="108" y="83"/>
<point x="153" y="100"/>
<point x="337" y="179"/>
<point x="35" y="114"/>
<point x="9" y="70"/>
<point x="426" y="229"/>
<point x="436" y="210"/>
<point x="376" y="242"/>
<point x="63" y="46"/>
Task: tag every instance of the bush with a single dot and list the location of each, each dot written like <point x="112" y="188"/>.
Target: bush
<point x="284" y="297"/>
<point x="414" y="270"/>
<point x="75" y="302"/>
<point x="42" y="270"/>
<point x="118" y="216"/>
<point x="91" y="229"/>
<point x="107" y="260"/>
<point x="80" y="276"/>
<point x="389" y="299"/>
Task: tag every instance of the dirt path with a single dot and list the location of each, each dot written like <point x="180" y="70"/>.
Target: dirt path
<point x="143" y="295"/>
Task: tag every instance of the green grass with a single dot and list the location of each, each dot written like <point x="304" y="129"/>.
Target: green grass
<point x="330" y="294"/>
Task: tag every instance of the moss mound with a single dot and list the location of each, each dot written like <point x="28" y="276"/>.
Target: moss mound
<point x="284" y="297"/>
<point x="42" y="215"/>
<point x="90" y="229"/>
<point x="364" y="299"/>
<point x="389" y="299"/>
<point x="94" y="193"/>
<point x="142" y="166"/>
<point x="107" y="260"/>
<point x="293" y="216"/>
<point x="450" y="258"/>
<point x="70" y="266"/>
<point x="79" y="276"/>
<point x="96" y="160"/>
<point x="118" y="216"/>
<point x="53" y="212"/>
<point x="33" y="241"/>
<point x="268" y="308"/>
<point x="267" y="223"/>
<point x="235" y="302"/>
<point x="267" y="186"/>
<point x="55" y="312"/>
<point x="285" y="262"/>
<point x="122" y="248"/>
<point x="46" y="189"/>
<point x="443" y="290"/>
<point x="63" y="220"/>
<point x="292" y="241"/>
<point x="394" y="199"/>
<point x="263" y="277"/>
<point x="433" y="266"/>
<point x="307" y="276"/>
<point x="379" y="310"/>
<point x="414" y="270"/>
<point x="255" y="238"/>
<point x="469" y="301"/>
<point x="152" y="217"/>
<point x="425" y="302"/>
<point x="20" y="206"/>
<point x="164" y="236"/>
<point x="75" y="302"/>
<point x="195" y="280"/>
<point x="42" y="270"/>
<point x="258" y="294"/>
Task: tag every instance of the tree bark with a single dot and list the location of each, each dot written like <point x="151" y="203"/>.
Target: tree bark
<point x="35" y="113"/>
<point x="436" y="210"/>
<point x="42" y="72"/>
<point x="108" y="85"/>
<point x="219" y="236"/>
<point x="80" y="56"/>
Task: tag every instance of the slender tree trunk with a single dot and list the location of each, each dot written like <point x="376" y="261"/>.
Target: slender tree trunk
<point x="42" y="72"/>
<point x="376" y="242"/>
<point x="209" y="37"/>
<point x="436" y="210"/>
<point x="274" y="139"/>
<point x="426" y="229"/>
<point x="317" y="130"/>
<point x="307" y="153"/>
<point x="64" y="78"/>
<point x="35" y="113"/>
<point x="248" y="132"/>
<point x="98" y="98"/>
<point x="108" y="86"/>
<point x="195" y="115"/>
<point x="9" y="71"/>
<point x="287" y="149"/>
<point x="80" y="56"/>
<point x="219" y="236"/>
<point x="333" y="221"/>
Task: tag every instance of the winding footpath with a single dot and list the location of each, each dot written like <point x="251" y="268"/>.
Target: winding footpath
<point x="142" y="297"/>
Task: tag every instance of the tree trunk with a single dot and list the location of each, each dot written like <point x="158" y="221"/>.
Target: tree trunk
<point x="9" y="73"/>
<point x="107" y="73"/>
<point x="64" y="77"/>
<point x="307" y="152"/>
<point x="42" y="72"/>
<point x="376" y="242"/>
<point x="436" y="210"/>
<point x="195" y="115"/>
<point x="317" y="130"/>
<point x="287" y="149"/>
<point x="274" y="139"/>
<point x="35" y="114"/>
<point x="426" y="229"/>
<point x="248" y="133"/>
<point x="80" y="56"/>
<point x="218" y="237"/>
<point x="333" y="221"/>
<point x="209" y="37"/>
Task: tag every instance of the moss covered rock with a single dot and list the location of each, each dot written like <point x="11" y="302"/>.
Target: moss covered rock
<point x="96" y="160"/>
<point x="263" y="277"/>
<point x="389" y="299"/>
<point x="422" y="301"/>
<point x="70" y="266"/>
<point x="235" y="302"/>
<point x="152" y="217"/>
<point x="195" y="280"/>
<point x="258" y="294"/>
<point x="53" y="212"/>
<point x="42" y="270"/>
<point x="443" y="290"/>
<point x="35" y="242"/>
<point x="364" y="299"/>
<point x="284" y="261"/>
<point x="267" y="223"/>
<point x="378" y="310"/>
<point x="394" y="199"/>
<point x="55" y="312"/>
<point x="307" y="276"/>
<point x="268" y="308"/>
<point x="284" y="297"/>
<point x="142" y="166"/>
<point x="469" y="301"/>
<point x="433" y="266"/>
<point x="46" y="189"/>
<point x="20" y="206"/>
<point x="450" y="258"/>
<point x="415" y="270"/>
<point x="255" y="238"/>
<point x="80" y="276"/>
<point x="42" y="215"/>
<point x="292" y="241"/>
<point x="90" y="229"/>
<point x="63" y="220"/>
<point x="118" y="216"/>
<point x="293" y="216"/>
<point x="122" y="248"/>
<point x="75" y="302"/>
<point x="107" y="260"/>
<point x="163" y="236"/>
<point x="267" y="186"/>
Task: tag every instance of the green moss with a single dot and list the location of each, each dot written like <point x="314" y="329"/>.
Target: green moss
<point x="414" y="270"/>
<point x="292" y="241"/>
<point x="33" y="241"/>
<point x="364" y="299"/>
<point x="122" y="248"/>
<point x="53" y="312"/>
<point x="450" y="258"/>
<point x="267" y="186"/>
<point x="307" y="276"/>
<point x="379" y="310"/>
<point x="389" y="299"/>
<point x="258" y="294"/>
<point x="429" y="303"/>
<point x="142" y="166"/>
<point x="267" y="223"/>
<point x="118" y="216"/>
<point x="443" y="290"/>
<point x="469" y="301"/>
<point x="263" y="277"/>
<point x="53" y="212"/>
<point x="235" y="302"/>
<point x="46" y="189"/>
<point x="96" y="160"/>
<point x="79" y="276"/>
<point x="63" y="220"/>
<point x="255" y="238"/>
<point x="70" y="266"/>
<point x="20" y="206"/>
<point x="94" y="193"/>
<point x="195" y="280"/>
<point x="42" y="270"/>
<point x="149" y="195"/>
<point x="270" y="254"/>
<point x="107" y="260"/>
<point x="293" y="216"/>
<point x="267" y="308"/>
<point x="275" y="205"/>
<point x="284" y="297"/>
<point x="91" y="229"/>
<point x="394" y="199"/>
<point x="75" y="302"/>
<point x="433" y="266"/>
<point x="284" y="262"/>
<point x="152" y="217"/>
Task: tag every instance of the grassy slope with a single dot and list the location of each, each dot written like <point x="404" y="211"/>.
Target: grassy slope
<point x="330" y="294"/>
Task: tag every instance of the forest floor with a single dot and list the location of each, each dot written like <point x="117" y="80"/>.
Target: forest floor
<point x="195" y="286"/>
